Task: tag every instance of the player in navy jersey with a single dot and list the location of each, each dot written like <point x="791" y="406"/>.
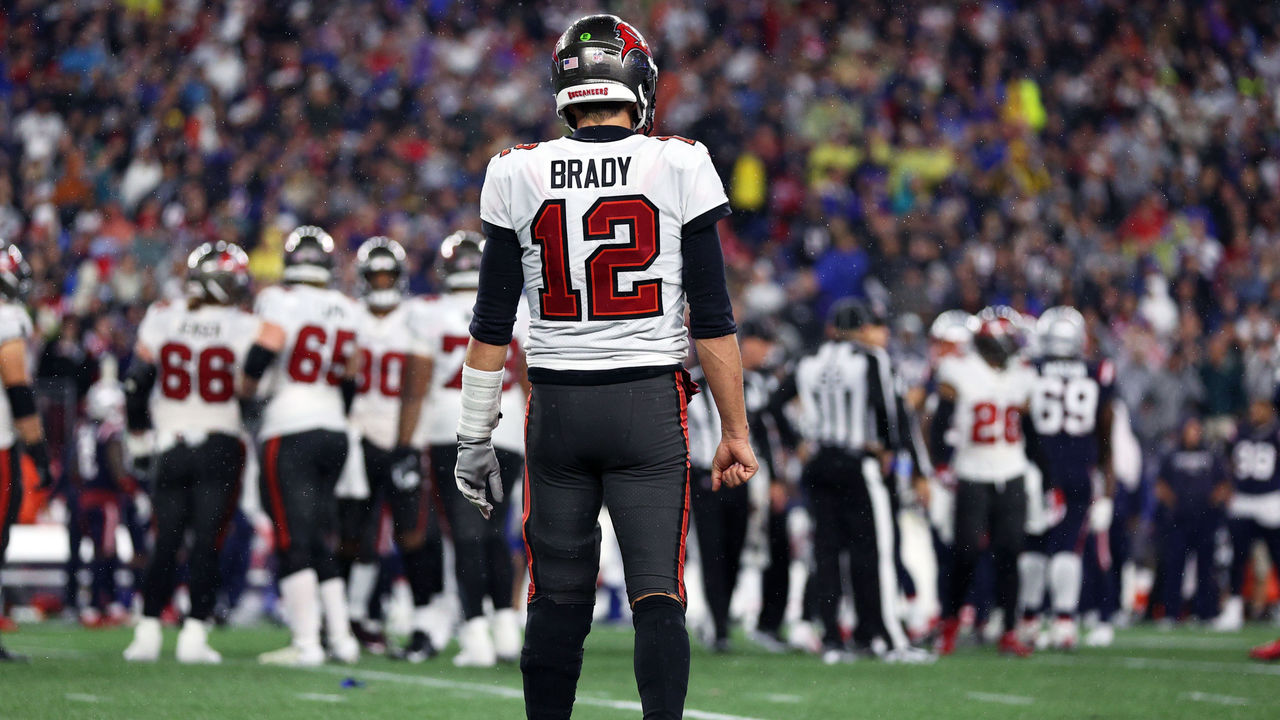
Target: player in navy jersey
<point x="1253" y="512"/>
<point x="104" y="486"/>
<point x="1071" y="414"/>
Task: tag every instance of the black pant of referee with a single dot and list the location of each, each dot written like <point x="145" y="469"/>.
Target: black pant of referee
<point x="720" y="521"/>
<point x="852" y="518"/>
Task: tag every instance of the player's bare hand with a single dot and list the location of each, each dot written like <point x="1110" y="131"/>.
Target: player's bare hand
<point x="477" y="470"/>
<point x="733" y="464"/>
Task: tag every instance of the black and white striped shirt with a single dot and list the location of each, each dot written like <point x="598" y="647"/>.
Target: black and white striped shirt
<point x="846" y="398"/>
<point x="704" y="420"/>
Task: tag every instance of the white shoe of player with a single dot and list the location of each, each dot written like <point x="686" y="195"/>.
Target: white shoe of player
<point x="507" y="639"/>
<point x="1102" y="635"/>
<point x="344" y="648"/>
<point x="147" y="641"/>
<point x="1064" y="635"/>
<point x="1232" y="617"/>
<point x="477" y="645"/>
<point x="909" y="655"/>
<point x="1029" y="631"/>
<point x="294" y="656"/>
<point x="193" y="644"/>
<point x="804" y="636"/>
<point x="835" y="656"/>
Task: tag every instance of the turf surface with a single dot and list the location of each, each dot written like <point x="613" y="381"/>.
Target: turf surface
<point x="77" y="673"/>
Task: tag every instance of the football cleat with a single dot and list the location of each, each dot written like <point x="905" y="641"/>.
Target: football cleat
<point x="193" y="644"/>
<point x="1102" y="635"/>
<point x="419" y="649"/>
<point x="7" y="655"/>
<point x="770" y="641"/>
<point x="1010" y="645"/>
<point x="477" y="645"/>
<point x="909" y="655"/>
<point x="373" y="640"/>
<point x="1064" y="634"/>
<point x="836" y="656"/>
<point x="1029" y="630"/>
<point x="294" y="656"/>
<point x="507" y="640"/>
<point x="1232" y="617"/>
<point x="804" y="637"/>
<point x="147" y="641"/>
<point x="1266" y="653"/>
<point x="344" y="649"/>
<point x="947" y="638"/>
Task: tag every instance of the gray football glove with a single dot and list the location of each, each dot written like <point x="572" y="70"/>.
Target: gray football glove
<point x="477" y="467"/>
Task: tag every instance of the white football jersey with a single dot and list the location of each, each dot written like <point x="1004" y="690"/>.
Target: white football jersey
<point x="385" y="345"/>
<point x="198" y="354"/>
<point x="321" y="337"/>
<point x="15" y="324"/>
<point x="986" y="428"/>
<point x="442" y="331"/>
<point x="599" y="225"/>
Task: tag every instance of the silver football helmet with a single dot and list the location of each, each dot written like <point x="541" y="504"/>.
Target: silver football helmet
<point x="1062" y="333"/>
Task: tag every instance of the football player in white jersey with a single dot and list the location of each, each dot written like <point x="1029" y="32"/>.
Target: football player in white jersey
<point x="19" y="421"/>
<point x="482" y="556"/>
<point x="392" y="466"/>
<point x="611" y="235"/>
<point x="978" y="432"/>
<point x="304" y="360"/>
<point x="182" y="385"/>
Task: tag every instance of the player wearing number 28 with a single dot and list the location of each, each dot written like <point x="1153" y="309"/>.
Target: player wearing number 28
<point x="181" y="386"/>
<point x="983" y="398"/>
<point x="305" y="362"/>
<point x="610" y="236"/>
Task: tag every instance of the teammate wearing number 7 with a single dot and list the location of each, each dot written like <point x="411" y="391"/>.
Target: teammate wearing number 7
<point x="978" y="432"/>
<point x="610" y="235"/>
<point x="305" y="361"/>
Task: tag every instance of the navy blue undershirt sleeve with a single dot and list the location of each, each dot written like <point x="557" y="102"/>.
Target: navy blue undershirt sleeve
<point x="501" y="282"/>
<point x="710" y="312"/>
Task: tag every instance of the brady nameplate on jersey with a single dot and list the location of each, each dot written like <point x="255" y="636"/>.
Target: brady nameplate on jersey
<point x="589" y="173"/>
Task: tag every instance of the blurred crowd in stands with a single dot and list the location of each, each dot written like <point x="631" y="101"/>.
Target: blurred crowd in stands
<point x="1116" y="155"/>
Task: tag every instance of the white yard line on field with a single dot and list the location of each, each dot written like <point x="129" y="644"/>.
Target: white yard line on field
<point x="321" y="697"/>
<point x="1179" y="643"/>
<point x="782" y="698"/>
<point x="82" y="697"/>
<point x="508" y="692"/>
<point x="1141" y="663"/>
<point x="1000" y="698"/>
<point x="1204" y="697"/>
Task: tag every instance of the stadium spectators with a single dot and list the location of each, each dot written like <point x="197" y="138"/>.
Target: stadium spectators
<point x="1118" y="156"/>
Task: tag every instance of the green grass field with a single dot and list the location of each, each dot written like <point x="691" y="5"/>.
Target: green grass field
<point x="77" y="673"/>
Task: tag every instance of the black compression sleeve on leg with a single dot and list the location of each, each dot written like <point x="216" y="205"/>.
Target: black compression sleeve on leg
<point x="552" y="657"/>
<point x="661" y="656"/>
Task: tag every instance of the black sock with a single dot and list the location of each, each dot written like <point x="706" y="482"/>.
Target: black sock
<point x="661" y="656"/>
<point x="552" y="657"/>
<point x="419" y="570"/>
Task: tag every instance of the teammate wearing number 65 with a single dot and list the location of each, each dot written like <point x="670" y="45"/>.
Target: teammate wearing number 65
<point x="610" y="235"/>
<point x="305" y="360"/>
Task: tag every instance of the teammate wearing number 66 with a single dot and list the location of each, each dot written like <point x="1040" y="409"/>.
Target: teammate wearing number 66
<point x="610" y="235"/>
<point x="181" y="409"/>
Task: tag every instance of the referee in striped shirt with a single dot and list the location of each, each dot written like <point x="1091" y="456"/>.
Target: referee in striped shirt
<point x="851" y="422"/>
